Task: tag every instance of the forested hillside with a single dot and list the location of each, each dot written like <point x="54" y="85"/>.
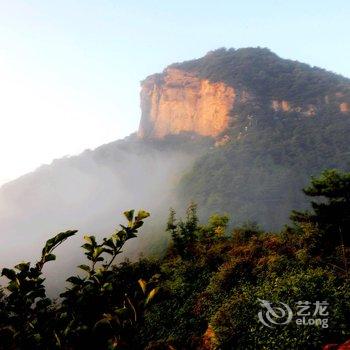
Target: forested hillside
<point x="268" y="76"/>
<point x="256" y="175"/>
<point x="207" y="292"/>
<point x="288" y="127"/>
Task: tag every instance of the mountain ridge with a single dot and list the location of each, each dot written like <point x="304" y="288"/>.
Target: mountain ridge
<point x="207" y="95"/>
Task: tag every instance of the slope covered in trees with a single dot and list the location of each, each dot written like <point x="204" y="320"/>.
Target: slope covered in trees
<point x="288" y="127"/>
<point x="268" y="76"/>
<point x="256" y="176"/>
<point x="205" y="293"/>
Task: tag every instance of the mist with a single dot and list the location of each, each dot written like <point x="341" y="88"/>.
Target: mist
<point x="89" y="193"/>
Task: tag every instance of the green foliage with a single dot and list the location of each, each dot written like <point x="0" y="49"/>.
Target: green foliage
<point x="184" y="233"/>
<point x="258" y="175"/>
<point x="332" y="211"/>
<point x="96" y="311"/>
<point x="26" y="303"/>
<point x="92" y="300"/>
<point x="266" y="75"/>
<point x="211" y="300"/>
<point x="205" y="293"/>
<point x="328" y="225"/>
<point x="271" y="154"/>
<point x="236" y="324"/>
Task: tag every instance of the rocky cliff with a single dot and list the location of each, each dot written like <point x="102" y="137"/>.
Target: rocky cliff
<point x="178" y="101"/>
<point x="207" y="95"/>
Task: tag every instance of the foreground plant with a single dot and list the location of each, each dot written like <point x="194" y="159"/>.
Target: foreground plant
<point x="92" y="312"/>
<point x="93" y="303"/>
<point x="26" y="302"/>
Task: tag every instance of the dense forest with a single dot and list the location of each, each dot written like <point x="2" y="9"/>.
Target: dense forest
<point x="268" y="153"/>
<point x="257" y="177"/>
<point x="267" y="75"/>
<point x="205" y="292"/>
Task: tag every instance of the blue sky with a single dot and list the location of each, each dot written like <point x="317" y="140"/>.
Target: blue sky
<point x="70" y="70"/>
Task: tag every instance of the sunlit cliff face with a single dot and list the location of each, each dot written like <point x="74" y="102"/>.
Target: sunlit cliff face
<point x="178" y="101"/>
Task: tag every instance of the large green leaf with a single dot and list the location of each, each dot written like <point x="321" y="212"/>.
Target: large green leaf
<point x="23" y="267"/>
<point x="75" y="280"/>
<point x="129" y="214"/>
<point x="49" y="257"/>
<point x="84" y="267"/>
<point x="52" y="243"/>
<point x="142" y="214"/>
<point x="10" y="274"/>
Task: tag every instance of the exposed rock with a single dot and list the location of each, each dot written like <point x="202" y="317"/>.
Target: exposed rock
<point x="280" y="106"/>
<point x="344" y="346"/>
<point x="286" y="106"/>
<point x="222" y="141"/>
<point x="311" y="111"/>
<point x="209" y="340"/>
<point x="344" y="107"/>
<point x="178" y="101"/>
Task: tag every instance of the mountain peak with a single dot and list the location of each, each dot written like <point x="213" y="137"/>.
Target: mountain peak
<point x="207" y="95"/>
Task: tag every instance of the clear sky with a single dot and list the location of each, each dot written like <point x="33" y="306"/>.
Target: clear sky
<point x="70" y="69"/>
